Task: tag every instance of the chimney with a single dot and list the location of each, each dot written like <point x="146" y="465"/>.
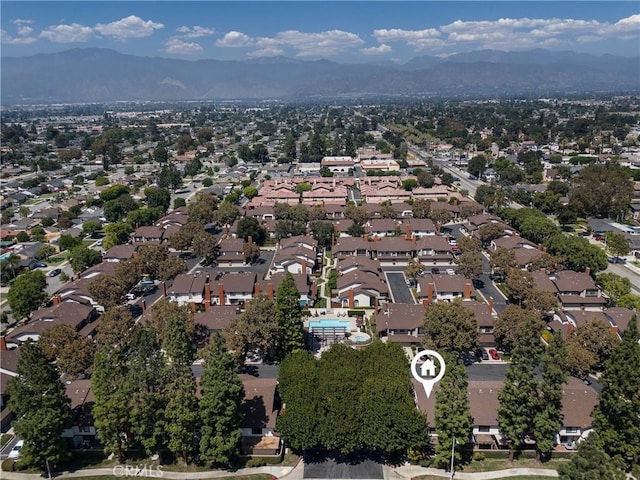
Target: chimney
<point x="270" y="290"/>
<point x="425" y="303"/>
<point x="303" y="270"/>
<point x="220" y="294"/>
<point x="539" y="247"/>
<point x="614" y="330"/>
<point x="193" y="307"/>
<point x="408" y="230"/>
<point x="569" y="328"/>
<point x="135" y="254"/>
<point x="256" y="289"/>
<point x="3" y="344"/>
<point x="587" y="270"/>
<point x="207" y="296"/>
<point x="490" y="305"/>
<point x="430" y="291"/>
<point x="164" y="289"/>
<point x="467" y="291"/>
<point x="249" y="239"/>
<point x="376" y="305"/>
<point x="351" y="299"/>
<point x="144" y="305"/>
<point x="57" y="300"/>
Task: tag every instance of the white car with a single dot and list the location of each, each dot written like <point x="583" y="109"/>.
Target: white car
<point x="15" y="451"/>
<point x="450" y="271"/>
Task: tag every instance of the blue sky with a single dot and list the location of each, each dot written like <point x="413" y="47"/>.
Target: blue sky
<point x="362" y="31"/>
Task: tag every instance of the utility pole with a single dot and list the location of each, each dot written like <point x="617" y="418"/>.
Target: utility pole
<point x="453" y="453"/>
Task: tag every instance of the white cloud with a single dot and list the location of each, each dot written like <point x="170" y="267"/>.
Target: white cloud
<point x="235" y="39"/>
<point x="9" y="40"/>
<point x="195" y="31"/>
<point x="419" y="39"/>
<point x="22" y="21"/>
<point x="379" y="50"/>
<point x="24" y="31"/>
<point x="266" y="52"/>
<point x="73" y="33"/>
<point x="128" y="27"/>
<point x="626" y="27"/>
<point x="313" y="44"/>
<point x="175" y="46"/>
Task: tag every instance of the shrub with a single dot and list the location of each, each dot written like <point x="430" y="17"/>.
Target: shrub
<point x="8" y="465"/>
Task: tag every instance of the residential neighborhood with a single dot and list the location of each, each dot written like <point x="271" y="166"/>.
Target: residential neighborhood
<point x="153" y="258"/>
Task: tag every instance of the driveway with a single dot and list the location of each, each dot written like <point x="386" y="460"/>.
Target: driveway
<point x="400" y="293"/>
<point x="342" y="468"/>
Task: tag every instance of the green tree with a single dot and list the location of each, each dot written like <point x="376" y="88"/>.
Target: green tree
<point x="548" y="419"/>
<point x="477" y="166"/>
<point x="257" y="326"/>
<point x="517" y="326"/>
<point x="220" y="406"/>
<point x="288" y="314"/>
<point x="590" y="462"/>
<point x="182" y="417"/>
<point x="518" y="399"/>
<point x="489" y="232"/>
<point x="117" y="234"/>
<point x="450" y="327"/>
<point x="299" y="423"/>
<point x="519" y="283"/>
<point x="616" y="419"/>
<point x="250" y="227"/>
<point x="67" y="242"/>
<point x="46" y="251"/>
<point x="115" y="326"/>
<point x="111" y="411"/>
<point x="169" y="176"/>
<point x="158" y="197"/>
<point x="470" y="265"/>
<point x="72" y="353"/>
<point x="27" y="293"/>
<point x="578" y="252"/>
<point x="82" y="257"/>
<point x="617" y="244"/>
<point x="38" y="400"/>
<point x="226" y="214"/>
<point x="92" y="226"/>
<point x="421" y="208"/>
<point x="452" y="412"/>
<point x="615" y="285"/>
<point x="501" y="261"/>
<point x="107" y="291"/>
<point x="323" y="232"/>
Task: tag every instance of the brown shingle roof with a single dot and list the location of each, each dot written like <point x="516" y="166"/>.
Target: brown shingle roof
<point x="261" y="405"/>
<point x="400" y="316"/>
<point x="217" y="317"/>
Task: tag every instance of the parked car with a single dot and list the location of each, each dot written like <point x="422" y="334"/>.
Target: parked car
<point x="481" y="354"/>
<point x="55" y="272"/>
<point x="35" y="265"/>
<point x="15" y="451"/>
<point x="450" y="271"/>
<point x="494" y="354"/>
<point x="435" y="270"/>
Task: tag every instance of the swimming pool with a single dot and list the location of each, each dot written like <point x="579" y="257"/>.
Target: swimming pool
<point x="329" y="323"/>
<point x="360" y="337"/>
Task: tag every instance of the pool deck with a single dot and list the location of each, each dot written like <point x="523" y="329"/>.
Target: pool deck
<point x="316" y="314"/>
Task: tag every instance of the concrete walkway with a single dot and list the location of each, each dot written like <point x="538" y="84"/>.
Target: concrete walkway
<point x="289" y="473"/>
<point x="155" y="472"/>
<point x="415" y="471"/>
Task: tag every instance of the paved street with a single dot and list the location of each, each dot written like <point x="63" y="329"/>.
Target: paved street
<point x="342" y="468"/>
<point x="397" y="283"/>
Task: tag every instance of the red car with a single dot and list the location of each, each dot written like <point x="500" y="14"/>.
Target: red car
<point x="493" y="353"/>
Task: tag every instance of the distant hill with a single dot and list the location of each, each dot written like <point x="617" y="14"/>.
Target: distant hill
<point x="102" y="75"/>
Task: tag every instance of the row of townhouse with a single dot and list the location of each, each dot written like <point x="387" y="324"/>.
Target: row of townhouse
<point x="578" y="403"/>
<point x="397" y="251"/>
<point x="579" y="298"/>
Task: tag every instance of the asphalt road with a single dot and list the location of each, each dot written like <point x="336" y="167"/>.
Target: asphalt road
<point x="400" y="293"/>
<point x="485" y="284"/>
<point x="627" y="273"/>
<point x="342" y="468"/>
<point x="262" y="370"/>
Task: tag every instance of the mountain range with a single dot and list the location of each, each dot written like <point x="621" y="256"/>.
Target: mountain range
<point x="103" y="75"/>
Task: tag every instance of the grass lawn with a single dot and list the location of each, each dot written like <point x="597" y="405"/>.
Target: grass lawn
<point x="87" y="242"/>
<point x="57" y="259"/>
<point x="492" y="464"/>
<point x="4" y="439"/>
<point x="258" y="476"/>
<point x="525" y="477"/>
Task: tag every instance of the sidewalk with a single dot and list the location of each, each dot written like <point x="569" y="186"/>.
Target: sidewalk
<point x="123" y="471"/>
<point x="412" y="471"/>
